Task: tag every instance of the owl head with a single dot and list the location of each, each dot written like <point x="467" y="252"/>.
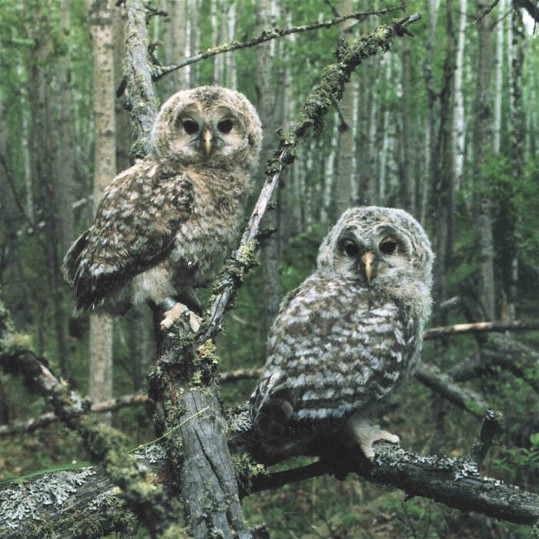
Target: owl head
<point x="382" y="248"/>
<point x="209" y="125"/>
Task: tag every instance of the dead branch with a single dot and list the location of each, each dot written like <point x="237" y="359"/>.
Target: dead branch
<point x="454" y="482"/>
<point x="481" y="327"/>
<point x="444" y="385"/>
<point x="47" y="419"/>
<point x="268" y="35"/>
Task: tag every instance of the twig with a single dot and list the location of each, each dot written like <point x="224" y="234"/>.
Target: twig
<point x="268" y="35"/>
<point x="481" y="327"/>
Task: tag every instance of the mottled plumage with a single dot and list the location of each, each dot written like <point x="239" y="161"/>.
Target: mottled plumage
<point x="346" y="337"/>
<point x="166" y="224"/>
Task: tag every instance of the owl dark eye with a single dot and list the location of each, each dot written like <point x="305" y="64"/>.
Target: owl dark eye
<point x="388" y="246"/>
<point x="190" y="126"/>
<point x="350" y="248"/>
<point x="225" y="126"/>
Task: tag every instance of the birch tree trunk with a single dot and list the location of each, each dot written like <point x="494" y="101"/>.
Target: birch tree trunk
<point x="176" y="45"/>
<point x="483" y="140"/>
<point x="345" y="155"/>
<point x="265" y="104"/>
<point x="459" y="127"/>
<point x="101" y="25"/>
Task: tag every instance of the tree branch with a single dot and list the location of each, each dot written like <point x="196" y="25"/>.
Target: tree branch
<point x="47" y="419"/>
<point x="103" y="444"/>
<point x="454" y="482"/>
<point x="480" y="327"/>
<point x="268" y="35"/>
<point x="311" y="118"/>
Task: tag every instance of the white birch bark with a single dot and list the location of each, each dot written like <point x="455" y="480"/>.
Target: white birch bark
<point x="101" y="25"/>
<point x="459" y="126"/>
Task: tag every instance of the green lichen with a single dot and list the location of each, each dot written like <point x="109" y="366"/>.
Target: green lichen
<point x="246" y="470"/>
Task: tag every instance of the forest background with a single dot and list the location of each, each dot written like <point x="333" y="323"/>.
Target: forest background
<point x="445" y="125"/>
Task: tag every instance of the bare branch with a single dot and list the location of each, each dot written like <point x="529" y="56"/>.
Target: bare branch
<point x="45" y="420"/>
<point x="445" y="386"/>
<point x="480" y="327"/>
<point x="268" y="35"/>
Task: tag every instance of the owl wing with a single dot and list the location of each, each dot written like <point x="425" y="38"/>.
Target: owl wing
<point x="335" y="349"/>
<point x="134" y="229"/>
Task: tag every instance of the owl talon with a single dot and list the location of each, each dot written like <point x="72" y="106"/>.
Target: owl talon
<point x="366" y="434"/>
<point x="174" y="313"/>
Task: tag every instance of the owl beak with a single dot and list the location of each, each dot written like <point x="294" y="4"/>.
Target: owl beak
<point x="367" y="263"/>
<point x="208" y="138"/>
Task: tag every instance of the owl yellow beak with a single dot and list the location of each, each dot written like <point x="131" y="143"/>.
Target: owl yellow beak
<point x="208" y="138"/>
<point x="367" y="261"/>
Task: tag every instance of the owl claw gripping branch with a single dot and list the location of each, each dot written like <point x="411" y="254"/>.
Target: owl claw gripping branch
<point x="165" y="225"/>
<point x="346" y="338"/>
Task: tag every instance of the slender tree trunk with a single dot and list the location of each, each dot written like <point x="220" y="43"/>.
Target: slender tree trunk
<point x="266" y="105"/>
<point x="483" y="140"/>
<point x="194" y="38"/>
<point x="459" y="126"/>
<point x="345" y="155"/>
<point x="406" y="187"/>
<point x="498" y="86"/>
<point x="101" y="26"/>
<point x="175" y="45"/>
<point x="518" y="145"/>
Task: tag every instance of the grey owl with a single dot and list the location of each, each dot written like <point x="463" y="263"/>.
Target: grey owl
<point x="166" y="224"/>
<point x="346" y="337"/>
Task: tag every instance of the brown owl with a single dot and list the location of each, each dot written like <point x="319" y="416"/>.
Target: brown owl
<point x="346" y="338"/>
<point x="165" y="225"/>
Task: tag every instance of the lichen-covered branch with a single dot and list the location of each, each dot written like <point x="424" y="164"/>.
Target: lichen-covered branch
<point x="452" y="481"/>
<point x="103" y="444"/>
<point x="311" y="118"/>
<point x="268" y="35"/>
<point x="47" y="503"/>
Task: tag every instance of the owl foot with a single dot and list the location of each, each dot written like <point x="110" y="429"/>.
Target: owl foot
<point x="366" y="434"/>
<point x="174" y="313"/>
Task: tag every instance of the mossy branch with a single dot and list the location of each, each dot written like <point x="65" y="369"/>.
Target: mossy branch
<point x="311" y="118"/>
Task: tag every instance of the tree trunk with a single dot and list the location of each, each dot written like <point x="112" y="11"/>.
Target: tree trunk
<point x="175" y="45"/>
<point x="459" y="126"/>
<point x="266" y="105"/>
<point x="101" y="26"/>
<point x="406" y="176"/>
<point x="345" y="155"/>
<point x="518" y="150"/>
<point x="483" y="140"/>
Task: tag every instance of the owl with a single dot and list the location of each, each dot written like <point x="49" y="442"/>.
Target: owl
<point x="165" y="225"/>
<point x="346" y="338"/>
